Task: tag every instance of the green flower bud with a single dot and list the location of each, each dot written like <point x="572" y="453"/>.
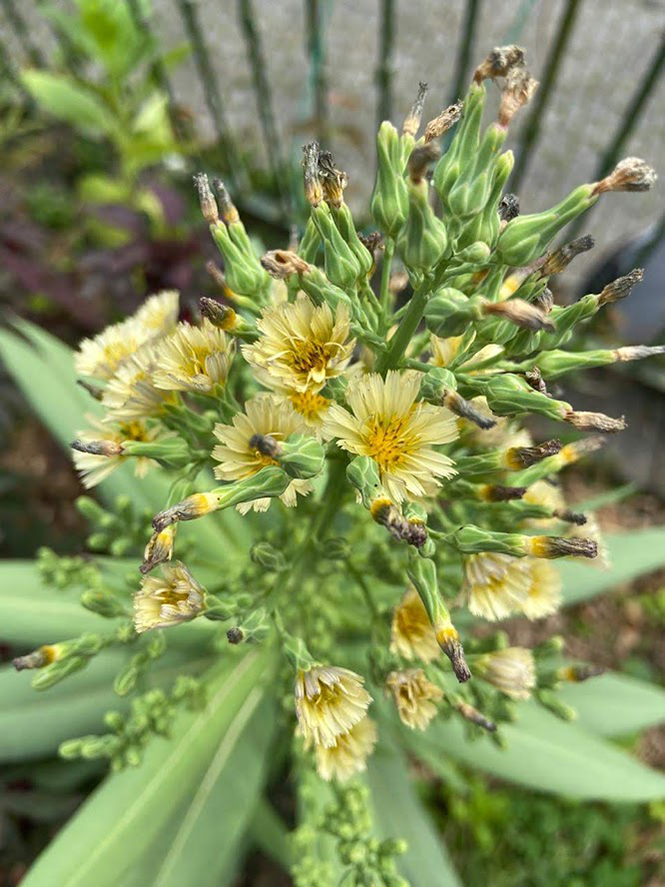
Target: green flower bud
<point x="511" y="395"/>
<point x="472" y="540"/>
<point x="363" y="474"/>
<point x="423" y="239"/>
<point x="267" y="556"/>
<point x="435" y="383"/>
<point x="464" y="146"/>
<point x="389" y="204"/>
<point x="301" y="455"/>
<point x="243" y="271"/>
<point x="102" y="602"/>
<point x="58" y="671"/>
<point x="449" y="312"/>
<point x="526" y="237"/>
<point x="476" y="253"/>
<point x="339" y="261"/>
<point x="347" y="228"/>
<point x="549" y="700"/>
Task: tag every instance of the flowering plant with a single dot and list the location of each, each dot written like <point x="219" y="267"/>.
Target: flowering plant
<point x="340" y="474"/>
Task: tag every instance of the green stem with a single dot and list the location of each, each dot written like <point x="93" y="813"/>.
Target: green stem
<point x="408" y="326"/>
<point x="388" y="253"/>
<point x="367" y="594"/>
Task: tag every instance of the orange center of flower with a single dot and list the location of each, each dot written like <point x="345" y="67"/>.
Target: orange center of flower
<point x="389" y="441"/>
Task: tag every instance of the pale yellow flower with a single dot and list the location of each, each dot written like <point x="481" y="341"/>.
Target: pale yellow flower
<point x="412" y="635"/>
<point x="387" y="423"/>
<point x="168" y="600"/>
<point x="311" y="405"/>
<point x="131" y="394"/>
<point x="193" y="358"/>
<point x="495" y="584"/>
<point x="349" y="754"/>
<point x="94" y="469"/>
<point x="513" y="671"/>
<point x="264" y="414"/>
<point x="329" y="702"/>
<point x="106" y="352"/>
<point x="301" y="344"/>
<point x="414" y="697"/>
<point x="444" y="350"/>
<point x="544" y="590"/>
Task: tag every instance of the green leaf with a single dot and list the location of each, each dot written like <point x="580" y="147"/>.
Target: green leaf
<point x="399" y="813"/>
<point x="206" y="843"/>
<point x="113" y="829"/>
<point x="615" y="705"/>
<point x="631" y="553"/>
<point x="546" y="753"/>
<point x="69" y="101"/>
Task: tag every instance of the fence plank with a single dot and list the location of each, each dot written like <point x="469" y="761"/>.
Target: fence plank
<point x="465" y="51"/>
<point x="317" y="78"/>
<point x="20" y="28"/>
<point x="385" y="69"/>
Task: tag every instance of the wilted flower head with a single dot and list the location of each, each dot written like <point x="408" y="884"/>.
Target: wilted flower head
<point x="412" y="634"/>
<point x="414" y="697"/>
<point x="92" y="468"/>
<point x="512" y="670"/>
<point x="329" y="702"/>
<point x="348" y="755"/>
<point x="169" y="599"/>
<point x="399" y="433"/>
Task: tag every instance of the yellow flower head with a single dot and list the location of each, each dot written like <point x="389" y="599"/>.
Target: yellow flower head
<point x="412" y="635"/>
<point x="513" y="671"/>
<point x="173" y="598"/>
<point x="495" y="584"/>
<point x="105" y="353"/>
<point x="329" y="702"/>
<point x="193" y="358"/>
<point x="349" y="754"/>
<point x="302" y="345"/>
<point x="544" y="589"/>
<point x="94" y="469"/>
<point x="414" y="697"/>
<point x="444" y="350"/>
<point x="266" y="415"/>
<point x="309" y="404"/>
<point x="399" y="433"/>
<point x="131" y="394"/>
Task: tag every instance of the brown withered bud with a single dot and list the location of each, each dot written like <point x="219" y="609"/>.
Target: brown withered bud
<point x="37" y="659"/>
<point x="518" y="89"/>
<point x="281" y="263"/>
<point x="372" y="241"/>
<point x="402" y="530"/>
<point x="631" y="174"/>
<point x="420" y="159"/>
<point x="310" y="165"/>
<point x="413" y="118"/>
<point x="521" y="313"/>
<point x="473" y="716"/>
<point x="620" y="288"/>
<point x="544" y="301"/>
<point x="578" y="673"/>
<point x="499" y="62"/>
<point x="333" y="180"/>
<point x="235" y="635"/>
<point x="571" y="517"/>
<point x="562" y="546"/>
<point x="577" y="449"/>
<point x="451" y="646"/>
<point x="219" y="315"/>
<point x="558" y="259"/>
<point x="461" y="407"/>
<point x="509" y="207"/>
<point x="92" y="390"/>
<point x="536" y="381"/>
<point x="266" y="445"/>
<point x="217" y="275"/>
<point x="637" y="352"/>
<point x="98" y="447"/>
<point x="159" y="549"/>
<point x="196" y="505"/>
<point x="227" y="206"/>
<point x="206" y="198"/>
<point x="523" y="457"/>
<point x="595" y="422"/>
<point x="498" y="493"/>
<point x="441" y="124"/>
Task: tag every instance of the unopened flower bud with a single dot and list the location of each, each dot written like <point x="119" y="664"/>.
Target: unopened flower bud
<point x="267" y="556"/>
<point x="219" y="315"/>
<point x="243" y="272"/>
<point x="159" y="549"/>
<point x="98" y="447"/>
<point x="39" y="658"/>
<point x="389" y="203"/>
<point x="518" y="458"/>
<point x="363" y="474"/>
<point x="301" y="455"/>
<point x="339" y="260"/>
<point x="423" y="238"/>
<point x="630" y="174"/>
<point x="449" y="312"/>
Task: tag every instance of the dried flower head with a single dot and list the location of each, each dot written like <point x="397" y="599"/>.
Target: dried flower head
<point x="348" y="756"/>
<point x="512" y="670"/>
<point x="329" y="702"/>
<point x="412" y="635"/>
<point x="169" y="599"/>
<point x="414" y="697"/>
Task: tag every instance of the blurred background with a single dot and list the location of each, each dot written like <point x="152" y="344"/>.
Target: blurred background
<point x="107" y="108"/>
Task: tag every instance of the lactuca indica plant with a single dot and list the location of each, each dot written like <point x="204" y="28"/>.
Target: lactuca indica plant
<point x="362" y="402"/>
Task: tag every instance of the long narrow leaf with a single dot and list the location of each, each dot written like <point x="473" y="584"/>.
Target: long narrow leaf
<point x="616" y="705"/>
